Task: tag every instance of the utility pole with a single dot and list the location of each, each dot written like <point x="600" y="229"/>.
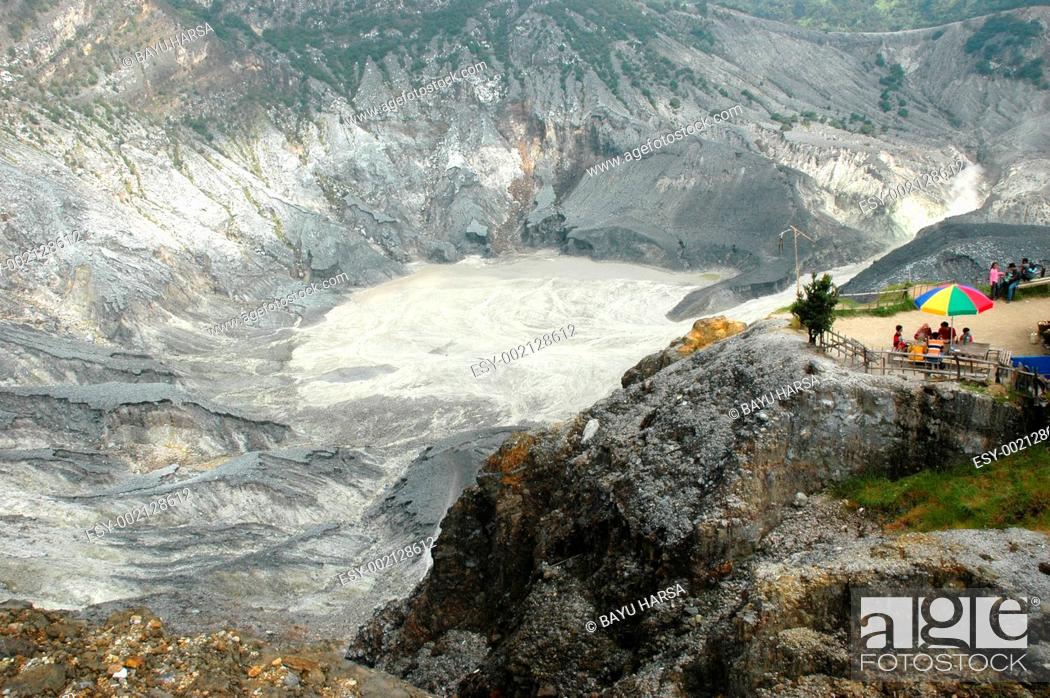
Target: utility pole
<point x="798" y="272"/>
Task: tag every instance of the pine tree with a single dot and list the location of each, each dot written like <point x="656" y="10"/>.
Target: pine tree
<point x="816" y="311"/>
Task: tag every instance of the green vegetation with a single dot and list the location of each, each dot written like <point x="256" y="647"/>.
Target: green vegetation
<point x="885" y="15"/>
<point x="816" y="311"/>
<point x="1001" y="42"/>
<point x="592" y="28"/>
<point x="22" y="14"/>
<point x="227" y="26"/>
<point x="891" y="83"/>
<point x="1006" y="397"/>
<point x="198" y="125"/>
<point x="888" y="305"/>
<point x="865" y="124"/>
<point x="347" y="33"/>
<point x="1013" y="491"/>
<point x="786" y="122"/>
<point x="333" y="42"/>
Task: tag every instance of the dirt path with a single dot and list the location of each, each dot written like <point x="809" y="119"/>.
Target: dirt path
<point x="1007" y="326"/>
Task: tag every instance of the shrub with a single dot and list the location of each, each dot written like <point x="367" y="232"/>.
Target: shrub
<point x="816" y="311"/>
<point x="1016" y="31"/>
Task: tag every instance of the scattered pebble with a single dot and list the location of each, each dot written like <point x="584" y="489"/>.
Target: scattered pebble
<point x="129" y="654"/>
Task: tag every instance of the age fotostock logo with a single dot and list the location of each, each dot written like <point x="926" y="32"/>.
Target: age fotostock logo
<point x="945" y="635"/>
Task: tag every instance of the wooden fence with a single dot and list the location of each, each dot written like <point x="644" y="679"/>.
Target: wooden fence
<point x="889" y="296"/>
<point x="949" y="367"/>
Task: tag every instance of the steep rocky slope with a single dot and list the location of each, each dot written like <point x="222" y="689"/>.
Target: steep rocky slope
<point x="958" y="250"/>
<point x="658" y="486"/>
<point x="218" y="174"/>
<point x="222" y="173"/>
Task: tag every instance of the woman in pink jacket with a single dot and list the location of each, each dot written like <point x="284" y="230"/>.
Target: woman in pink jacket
<point x="994" y="276"/>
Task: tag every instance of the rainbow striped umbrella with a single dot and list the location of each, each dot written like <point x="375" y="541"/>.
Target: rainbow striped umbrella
<point x="952" y="300"/>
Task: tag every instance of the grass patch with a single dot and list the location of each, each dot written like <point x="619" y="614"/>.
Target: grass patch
<point x="1013" y="491"/>
<point x="890" y="300"/>
<point x="885" y="309"/>
<point x="1003" y="397"/>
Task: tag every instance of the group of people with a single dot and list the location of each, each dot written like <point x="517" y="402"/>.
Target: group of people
<point x="926" y="333"/>
<point x="929" y="344"/>
<point x="1004" y="283"/>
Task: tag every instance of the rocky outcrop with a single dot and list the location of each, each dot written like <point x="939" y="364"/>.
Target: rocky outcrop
<point x="673" y="486"/>
<point x="705" y="331"/>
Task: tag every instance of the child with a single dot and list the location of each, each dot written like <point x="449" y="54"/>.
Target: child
<point x="917" y="352"/>
<point x="934" y="350"/>
<point x="966" y="337"/>
<point x="898" y="340"/>
<point x="994" y="277"/>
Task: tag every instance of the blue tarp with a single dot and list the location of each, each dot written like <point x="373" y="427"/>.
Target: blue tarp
<point x="1040" y="364"/>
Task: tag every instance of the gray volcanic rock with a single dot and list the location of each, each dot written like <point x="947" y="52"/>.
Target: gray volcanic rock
<point x="955" y="250"/>
<point x="242" y="538"/>
<point x="229" y="174"/>
<point x="53" y="359"/>
<point x="418" y="501"/>
<point x="650" y="210"/>
<point x="210" y="180"/>
<point x="147" y="423"/>
<point x="410" y="512"/>
<point x="672" y="490"/>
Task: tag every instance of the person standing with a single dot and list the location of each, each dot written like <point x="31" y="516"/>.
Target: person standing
<point x="994" y="277"/>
